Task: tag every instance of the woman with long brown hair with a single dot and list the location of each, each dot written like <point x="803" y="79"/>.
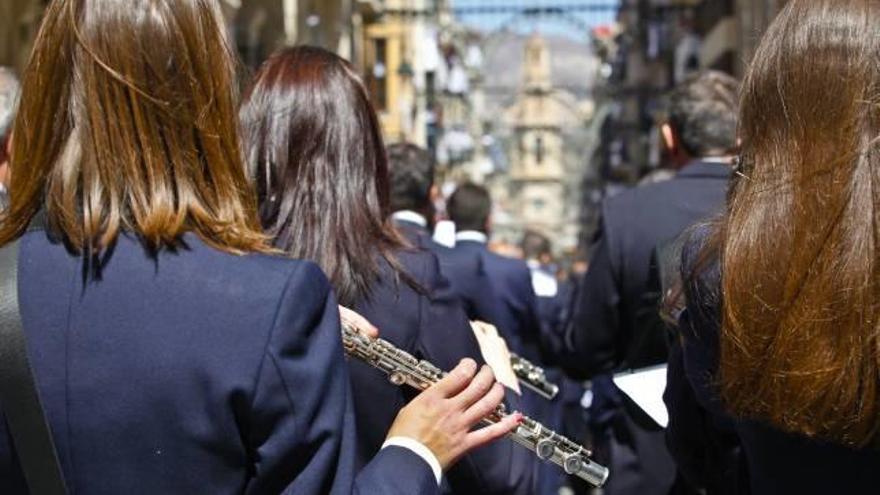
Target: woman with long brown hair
<point x="782" y="328"/>
<point x="316" y="155"/>
<point x="172" y="353"/>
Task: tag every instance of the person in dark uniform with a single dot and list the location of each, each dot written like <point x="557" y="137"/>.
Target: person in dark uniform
<point x="538" y="255"/>
<point x="316" y="155"/>
<point x="613" y="326"/>
<point x="172" y="352"/>
<point x="779" y="334"/>
<point x="470" y="208"/>
<point x="412" y="191"/>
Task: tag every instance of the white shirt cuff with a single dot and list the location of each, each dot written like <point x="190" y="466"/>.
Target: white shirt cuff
<point x="420" y="450"/>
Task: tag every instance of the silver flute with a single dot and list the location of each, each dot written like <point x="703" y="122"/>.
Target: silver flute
<point x="402" y="368"/>
<point x="533" y="377"/>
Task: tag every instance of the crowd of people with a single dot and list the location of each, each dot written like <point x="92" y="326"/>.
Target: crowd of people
<point x="183" y="259"/>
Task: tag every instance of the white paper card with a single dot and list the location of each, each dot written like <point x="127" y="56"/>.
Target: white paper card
<point x="645" y="387"/>
<point x="496" y="354"/>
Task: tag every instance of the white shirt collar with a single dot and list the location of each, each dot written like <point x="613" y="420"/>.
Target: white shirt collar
<point x="472" y="235"/>
<point x="722" y="160"/>
<point x="411" y="217"/>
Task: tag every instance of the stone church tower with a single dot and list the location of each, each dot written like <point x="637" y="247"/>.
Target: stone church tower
<point x="540" y="197"/>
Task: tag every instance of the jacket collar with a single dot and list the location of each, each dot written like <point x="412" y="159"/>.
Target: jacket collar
<point x="410" y="217"/>
<point x="471" y="236"/>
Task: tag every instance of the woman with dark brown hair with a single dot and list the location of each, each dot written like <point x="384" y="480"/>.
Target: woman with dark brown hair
<point x="172" y="353"/>
<point x="782" y="327"/>
<point x="316" y="155"/>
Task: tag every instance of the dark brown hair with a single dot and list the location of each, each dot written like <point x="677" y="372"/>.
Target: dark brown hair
<point x="470" y="207"/>
<point x="800" y="340"/>
<point x="316" y="154"/>
<point x="127" y="121"/>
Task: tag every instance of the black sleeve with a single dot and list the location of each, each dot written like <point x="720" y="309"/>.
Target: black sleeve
<point x="701" y="437"/>
<point x="591" y="340"/>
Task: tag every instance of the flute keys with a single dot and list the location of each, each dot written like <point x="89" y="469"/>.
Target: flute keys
<point x="544" y="449"/>
<point x="572" y="464"/>
<point x="397" y="378"/>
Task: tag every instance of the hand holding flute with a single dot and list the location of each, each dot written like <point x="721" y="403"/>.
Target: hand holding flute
<point x="403" y="368"/>
<point x="442" y="416"/>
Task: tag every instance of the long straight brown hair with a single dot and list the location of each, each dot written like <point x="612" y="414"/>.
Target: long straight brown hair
<point x="800" y="341"/>
<point x="316" y="154"/>
<point x="128" y="121"/>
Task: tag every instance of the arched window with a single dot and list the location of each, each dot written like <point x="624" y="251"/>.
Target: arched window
<point x="539" y="149"/>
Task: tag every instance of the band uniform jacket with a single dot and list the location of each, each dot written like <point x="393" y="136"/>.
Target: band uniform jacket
<point x="511" y="280"/>
<point x="776" y="462"/>
<point x="466" y="276"/>
<point x="193" y="371"/>
<point x="427" y="321"/>
<point x="610" y="327"/>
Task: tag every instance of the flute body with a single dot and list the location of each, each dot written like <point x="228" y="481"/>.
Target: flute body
<point x="402" y="368"/>
<point x="533" y="377"/>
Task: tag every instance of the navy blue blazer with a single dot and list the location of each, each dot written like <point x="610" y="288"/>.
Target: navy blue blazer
<point x="511" y="280"/>
<point x="777" y="462"/>
<point x="193" y="371"/>
<point x="606" y="329"/>
<point x="615" y="325"/>
<point x="465" y="273"/>
<point x="428" y="322"/>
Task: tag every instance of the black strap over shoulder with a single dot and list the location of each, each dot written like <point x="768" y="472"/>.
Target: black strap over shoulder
<point x="18" y="391"/>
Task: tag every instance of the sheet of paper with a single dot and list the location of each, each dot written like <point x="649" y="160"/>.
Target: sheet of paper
<point x="496" y="354"/>
<point x="645" y="387"/>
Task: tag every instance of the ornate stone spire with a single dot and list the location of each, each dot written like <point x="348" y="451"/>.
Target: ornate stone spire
<point x="536" y="72"/>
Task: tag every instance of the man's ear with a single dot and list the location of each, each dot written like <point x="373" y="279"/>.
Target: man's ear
<point x="434" y="193"/>
<point x="670" y="139"/>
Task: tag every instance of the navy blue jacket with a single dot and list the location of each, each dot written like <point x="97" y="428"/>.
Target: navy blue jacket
<point x="194" y="371"/>
<point x="605" y="333"/>
<point x="465" y="273"/>
<point x="614" y="325"/>
<point x="777" y="462"/>
<point x="428" y="322"/>
<point x="511" y="281"/>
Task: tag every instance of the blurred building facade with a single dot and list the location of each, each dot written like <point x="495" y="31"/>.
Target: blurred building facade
<point x="19" y="20"/>
<point x="542" y="162"/>
<point x="403" y="67"/>
<point x="654" y="45"/>
<point x="259" y="27"/>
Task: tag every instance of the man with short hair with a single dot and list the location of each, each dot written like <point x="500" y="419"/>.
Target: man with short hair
<point x="412" y="201"/>
<point x="470" y="208"/>
<point x="9" y="89"/>
<point x="613" y="327"/>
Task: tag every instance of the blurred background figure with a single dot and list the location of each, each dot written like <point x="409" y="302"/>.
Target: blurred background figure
<point x="538" y="255"/>
<point x="9" y="90"/>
